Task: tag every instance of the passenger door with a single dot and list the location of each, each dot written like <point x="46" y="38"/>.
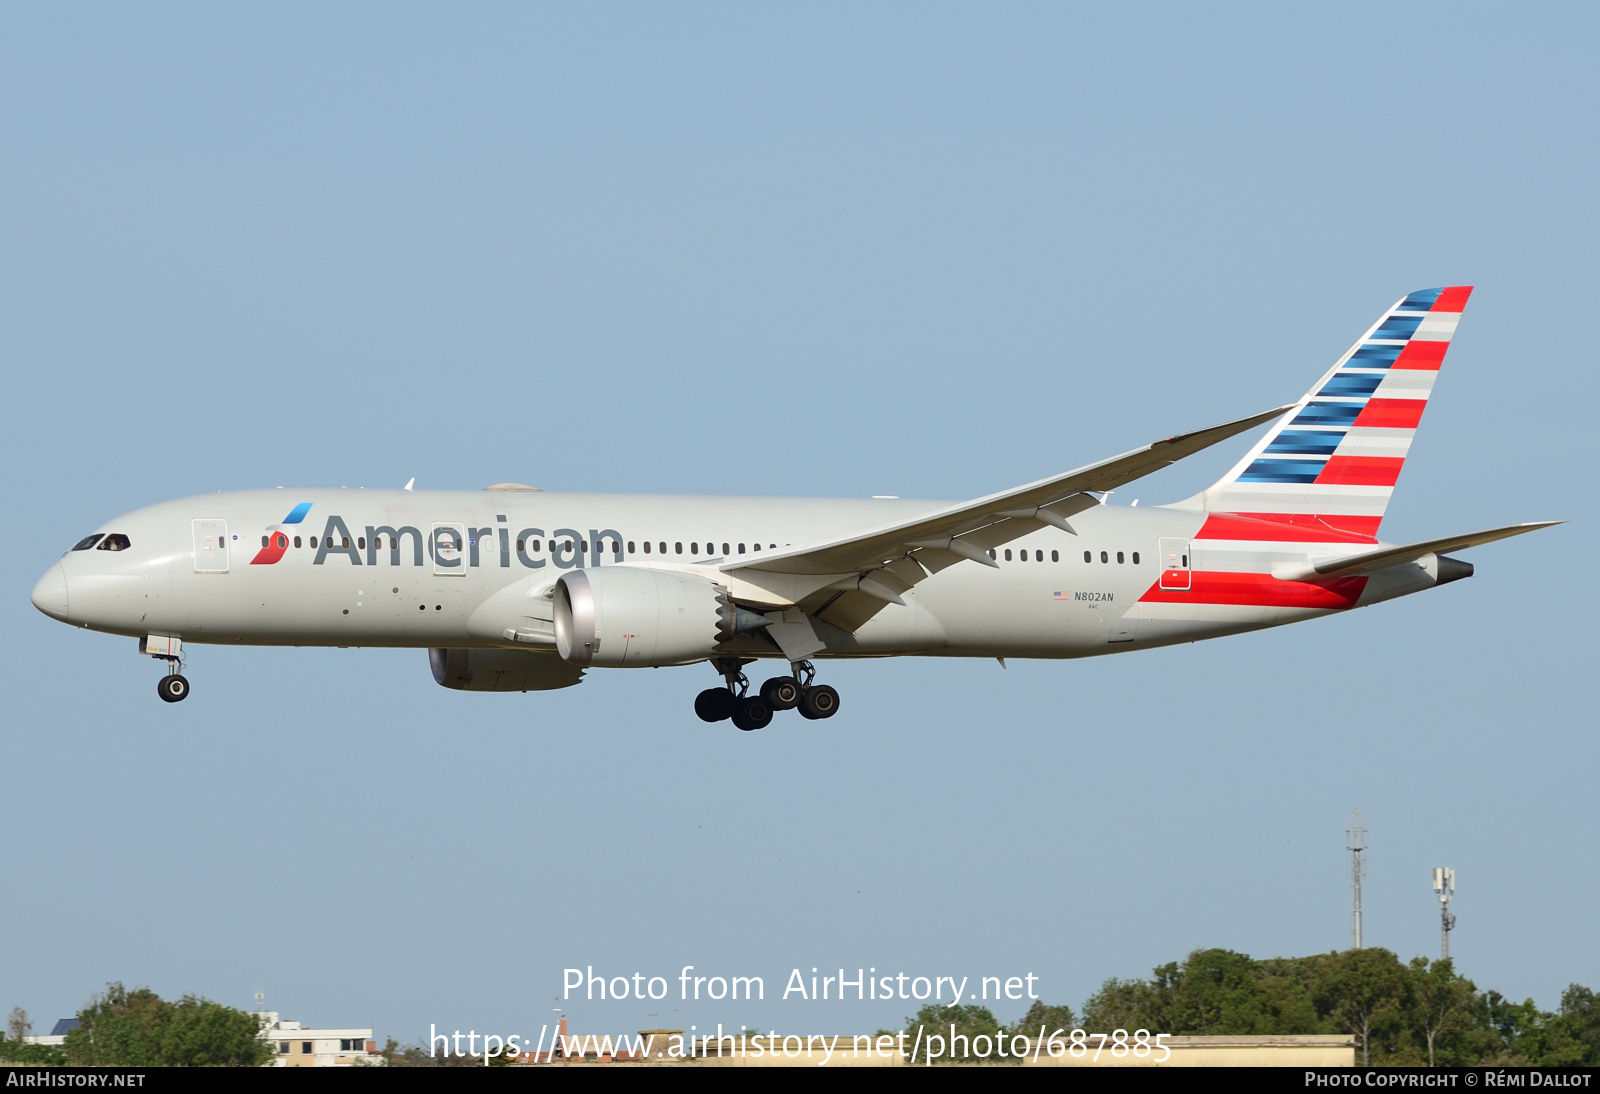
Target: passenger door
<point x="1175" y="564"/>
<point x="448" y="546"/>
<point x="210" y="546"/>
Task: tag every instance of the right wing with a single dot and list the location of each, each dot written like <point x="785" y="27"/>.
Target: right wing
<point x="884" y="562"/>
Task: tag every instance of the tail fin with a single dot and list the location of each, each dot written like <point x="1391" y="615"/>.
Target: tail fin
<point x="1330" y="464"/>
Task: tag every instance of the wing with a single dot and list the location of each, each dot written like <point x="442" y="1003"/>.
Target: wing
<point x="884" y="562"/>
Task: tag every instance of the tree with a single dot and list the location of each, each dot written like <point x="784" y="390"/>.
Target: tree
<point x="1573" y="1034"/>
<point x="1364" y="993"/>
<point x="1122" y="1004"/>
<point x="961" y="1027"/>
<point x="1050" y="1019"/>
<point x="17" y="1025"/>
<point x="122" y="1028"/>
<point x="1441" y="1001"/>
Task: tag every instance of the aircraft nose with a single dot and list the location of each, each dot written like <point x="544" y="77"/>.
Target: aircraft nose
<point x="50" y="595"/>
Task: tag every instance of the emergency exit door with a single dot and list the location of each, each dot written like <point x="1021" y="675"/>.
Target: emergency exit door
<point x="1175" y="564"/>
<point x="210" y="546"/>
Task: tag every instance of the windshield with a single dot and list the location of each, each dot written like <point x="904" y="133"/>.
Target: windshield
<point x="87" y="542"/>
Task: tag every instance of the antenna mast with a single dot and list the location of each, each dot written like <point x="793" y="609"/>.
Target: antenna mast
<point x="1356" y="842"/>
<point x="1444" y="886"/>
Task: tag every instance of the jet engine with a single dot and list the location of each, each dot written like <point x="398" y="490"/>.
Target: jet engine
<point x="501" y="670"/>
<point x="632" y="617"/>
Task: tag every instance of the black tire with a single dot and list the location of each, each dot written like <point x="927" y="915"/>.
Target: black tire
<point x="172" y="689"/>
<point x="752" y="712"/>
<point x="819" y="702"/>
<point x="781" y="692"/>
<point x="714" y="705"/>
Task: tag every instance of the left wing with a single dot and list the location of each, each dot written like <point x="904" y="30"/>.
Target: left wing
<point x="886" y="561"/>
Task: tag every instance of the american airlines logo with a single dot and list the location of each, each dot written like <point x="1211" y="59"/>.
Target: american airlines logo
<point x="278" y="542"/>
<point x="449" y="545"/>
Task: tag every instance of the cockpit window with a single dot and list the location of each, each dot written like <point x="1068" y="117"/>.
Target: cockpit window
<point x="88" y="541"/>
<point x="116" y="541"/>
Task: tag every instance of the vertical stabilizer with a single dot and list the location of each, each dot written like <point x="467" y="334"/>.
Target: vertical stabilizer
<point x="1329" y="466"/>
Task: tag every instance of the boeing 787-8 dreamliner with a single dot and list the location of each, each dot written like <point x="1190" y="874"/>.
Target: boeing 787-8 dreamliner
<point x="514" y="589"/>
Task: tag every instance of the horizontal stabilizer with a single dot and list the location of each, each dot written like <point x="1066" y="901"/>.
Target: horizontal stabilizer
<point x="1368" y="561"/>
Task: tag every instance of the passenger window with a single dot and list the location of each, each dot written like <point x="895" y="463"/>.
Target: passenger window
<point x="741" y="548"/>
<point x="1008" y="554"/>
<point x="361" y="542"/>
<point x="297" y="542"/>
<point x="757" y="546"/>
<point x="1104" y="557"/>
<point x="694" y="548"/>
<point x="646" y="546"/>
<point x="677" y="548"/>
<point x="1086" y="557"/>
<point x="631" y="547"/>
<point x="726" y="549"/>
<point x="263" y="541"/>
<point x="1119" y="558"/>
<point x="1038" y="556"/>
<point x="991" y="552"/>
<point x="344" y="541"/>
<point x="662" y="548"/>
<point x="1136" y="558"/>
<point x="283" y="541"/>
<point x="1055" y="556"/>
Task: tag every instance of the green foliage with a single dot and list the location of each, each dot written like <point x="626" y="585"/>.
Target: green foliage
<point x="122" y="1028"/>
<point x="1399" y="1014"/>
<point x="16" y="1052"/>
<point x="970" y="1022"/>
<point x="1050" y="1019"/>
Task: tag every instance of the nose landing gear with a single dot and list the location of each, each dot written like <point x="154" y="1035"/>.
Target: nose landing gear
<point x="749" y="712"/>
<point x="173" y="687"/>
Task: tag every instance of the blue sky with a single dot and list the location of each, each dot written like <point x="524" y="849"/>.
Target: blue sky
<point x="903" y="249"/>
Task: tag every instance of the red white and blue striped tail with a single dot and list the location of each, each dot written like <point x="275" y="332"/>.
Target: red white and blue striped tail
<point x="1327" y="468"/>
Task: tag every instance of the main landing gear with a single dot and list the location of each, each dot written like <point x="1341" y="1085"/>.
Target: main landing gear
<point x="749" y="712"/>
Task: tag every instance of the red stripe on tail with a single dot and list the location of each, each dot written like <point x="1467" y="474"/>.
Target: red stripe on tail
<point x="1422" y="355"/>
<point x="1391" y="413"/>
<point x="1362" y="470"/>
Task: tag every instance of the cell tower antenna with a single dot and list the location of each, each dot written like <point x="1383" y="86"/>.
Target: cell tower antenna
<point x="1355" y="841"/>
<point x="1444" y="887"/>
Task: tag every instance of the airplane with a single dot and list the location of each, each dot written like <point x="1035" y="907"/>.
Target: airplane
<point x="514" y="589"/>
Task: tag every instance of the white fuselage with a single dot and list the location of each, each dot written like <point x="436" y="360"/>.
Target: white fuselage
<point x="423" y="569"/>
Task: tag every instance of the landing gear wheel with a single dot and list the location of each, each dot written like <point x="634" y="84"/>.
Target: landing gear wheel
<point x="714" y="705"/>
<point x="752" y="712"/>
<point x="781" y="692"/>
<point x="173" y="689"/>
<point x="819" y="702"/>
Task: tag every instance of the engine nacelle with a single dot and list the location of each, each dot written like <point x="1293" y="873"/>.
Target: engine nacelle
<point x="631" y="617"/>
<point x="501" y="670"/>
